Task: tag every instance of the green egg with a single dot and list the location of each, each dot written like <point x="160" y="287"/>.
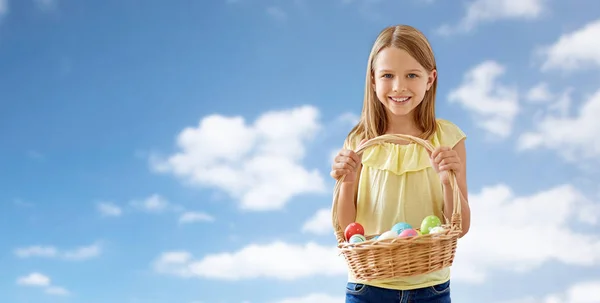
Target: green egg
<point x="430" y="222"/>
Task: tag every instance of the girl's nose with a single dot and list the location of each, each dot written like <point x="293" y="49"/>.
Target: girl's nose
<point x="399" y="85"/>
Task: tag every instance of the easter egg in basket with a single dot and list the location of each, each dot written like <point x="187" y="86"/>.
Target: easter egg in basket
<point x="408" y="233"/>
<point x="430" y="222"/>
<point x="390" y="234"/>
<point x="437" y="230"/>
<point x="353" y="229"/>
<point x="399" y="227"/>
<point x="357" y="238"/>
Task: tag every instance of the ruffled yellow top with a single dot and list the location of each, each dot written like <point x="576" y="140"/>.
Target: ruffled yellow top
<point x="398" y="184"/>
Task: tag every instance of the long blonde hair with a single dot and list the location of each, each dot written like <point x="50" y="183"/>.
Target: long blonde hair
<point x="373" y="120"/>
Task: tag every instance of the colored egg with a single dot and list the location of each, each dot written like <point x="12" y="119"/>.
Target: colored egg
<point x="399" y="227"/>
<point x="428" y="223"/>
<point x="353" y="229"/>
<point x="436" y="230"/>
<point x="408" y="233"/>
<point x="390" y="234"/>
<point x="357" y="238"/>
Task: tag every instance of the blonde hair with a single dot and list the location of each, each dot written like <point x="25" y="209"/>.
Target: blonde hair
<point x="373" y="120"/>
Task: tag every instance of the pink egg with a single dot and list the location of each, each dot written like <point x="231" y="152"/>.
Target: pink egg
<point x="408" y="233"/>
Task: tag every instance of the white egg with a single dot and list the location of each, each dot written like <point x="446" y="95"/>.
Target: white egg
<point x="390" y="234"/>
<point x="436" y="230"/>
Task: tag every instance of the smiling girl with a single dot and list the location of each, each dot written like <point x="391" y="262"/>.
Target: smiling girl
<point x="395" y="182"/>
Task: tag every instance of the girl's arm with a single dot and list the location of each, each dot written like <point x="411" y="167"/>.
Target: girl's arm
<point x="346" y="209"/>
<point x="462" y="184"/>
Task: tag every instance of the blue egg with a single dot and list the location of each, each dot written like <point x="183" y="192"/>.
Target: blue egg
<point x="357" y="238"/>
<point x="399" y="227"/>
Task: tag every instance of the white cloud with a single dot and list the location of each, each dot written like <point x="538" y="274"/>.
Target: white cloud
<point x="276" y="260"/>
<point x="34" y="279"/>
<point x="320" y="223"/>
<point x="582" y="292"/>
<point x="37" y="279"/>
<point x="579" y="49"/>
<point x="484" y="11"/>
<point x="37" y="251"/>
<point x="191" y="217"/>
<point x="540" y="93"/>
<point x="83" y="253"/>
<point x="155" y="204"/>
<point x="350" y="118"/>
<point x="109" y="209"/>
<point x="493" y="105"/>
<point x="573" y="137"/>
<point x="519" y="234"/>
<point x="314" y="298"/>
<point x="258" y="164"/>
<point x="76" y="254"/>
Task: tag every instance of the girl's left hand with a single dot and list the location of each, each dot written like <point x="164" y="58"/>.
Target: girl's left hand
<point x="444" y="159"/>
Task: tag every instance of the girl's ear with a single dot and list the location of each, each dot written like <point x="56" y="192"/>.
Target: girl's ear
<point x="373" y="84"/>
<point x="431" y="78"/>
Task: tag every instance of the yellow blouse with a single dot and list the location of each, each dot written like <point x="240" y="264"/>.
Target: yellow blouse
<point x="398" y="184"/>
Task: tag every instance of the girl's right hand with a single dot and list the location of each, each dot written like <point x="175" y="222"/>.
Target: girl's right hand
<point x="346" y="163"/>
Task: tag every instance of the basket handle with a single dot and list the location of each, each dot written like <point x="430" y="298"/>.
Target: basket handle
<point x="398" y="138"/>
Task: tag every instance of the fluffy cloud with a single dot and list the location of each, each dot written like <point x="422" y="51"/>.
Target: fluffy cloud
<point x="540" y="93"/>
<point x="258" y="164"/>
<point x="155" y="203"/>
<point x="583" y="292"/>
<point x="574" y="137"/>
<point x="348" y="118"/>
<point x="482" y="11"/>
<point x="520" y="233"/>
<point x="34" y="279"/>
<point x="37" y="279"/>
<point x="109" y="209"/>
<point x="492" y="104"/>
<point x="192" y="217"/>
<point x="579" y="49"/>
<point x="276" y="260"/>
<point x="320" y="223"/>
<point x="77" y="254"/>
<point x="312" y="298"/>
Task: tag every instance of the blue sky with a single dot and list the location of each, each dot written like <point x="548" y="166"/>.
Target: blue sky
<point x="178" y="151"/>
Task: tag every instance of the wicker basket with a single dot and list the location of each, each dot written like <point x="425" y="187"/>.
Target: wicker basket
<point x="400" y="257"/>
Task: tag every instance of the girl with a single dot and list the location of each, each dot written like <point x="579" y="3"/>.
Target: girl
<point x="394" y="182"/>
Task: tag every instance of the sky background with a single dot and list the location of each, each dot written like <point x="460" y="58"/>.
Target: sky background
<point x="179" y="151"/>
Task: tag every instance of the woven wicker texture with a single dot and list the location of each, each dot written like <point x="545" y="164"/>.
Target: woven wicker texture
<point x="400" y="257"/>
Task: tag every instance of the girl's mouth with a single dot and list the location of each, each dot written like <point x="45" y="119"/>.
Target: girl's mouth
<point x="399" y="99"/>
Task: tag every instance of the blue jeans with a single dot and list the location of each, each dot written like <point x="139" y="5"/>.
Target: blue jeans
<point x="360" y="293"/>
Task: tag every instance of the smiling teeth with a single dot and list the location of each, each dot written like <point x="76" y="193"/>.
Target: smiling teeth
<point x="400" y="99"/>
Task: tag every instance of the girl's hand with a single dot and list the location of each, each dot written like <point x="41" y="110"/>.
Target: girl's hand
<point x="347" y="162"/>
<point x="444" y="159"/>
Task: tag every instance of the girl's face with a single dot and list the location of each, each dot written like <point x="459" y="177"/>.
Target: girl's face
<point x="399" y="81"/>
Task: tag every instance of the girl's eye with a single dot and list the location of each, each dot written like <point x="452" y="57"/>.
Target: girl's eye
<point x="387" y="75"/>
<point x="412" y="75"/>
